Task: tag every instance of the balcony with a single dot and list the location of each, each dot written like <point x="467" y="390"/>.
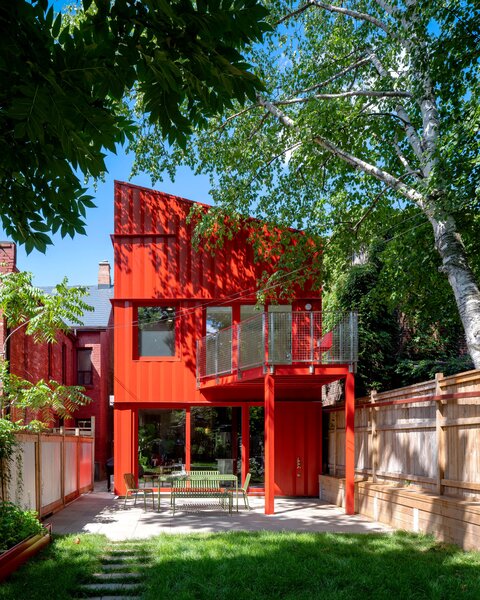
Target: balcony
<point x="278" y="338"/>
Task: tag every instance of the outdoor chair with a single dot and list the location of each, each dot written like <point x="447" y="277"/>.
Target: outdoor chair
<point x="134" y="492"/>
<point x="243" y="490"/>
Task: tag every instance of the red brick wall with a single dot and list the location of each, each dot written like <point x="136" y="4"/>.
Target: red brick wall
<point x="100" y="343"/>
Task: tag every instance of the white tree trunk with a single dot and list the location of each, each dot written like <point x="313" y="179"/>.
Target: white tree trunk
<point x="455" y="266"/>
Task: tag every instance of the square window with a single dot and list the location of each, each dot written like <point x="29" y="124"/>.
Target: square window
<point x="156" y="331"/>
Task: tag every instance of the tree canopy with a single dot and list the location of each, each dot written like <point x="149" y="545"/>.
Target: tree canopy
<point x="367" y="130"/>
<point x="66" y="85"/>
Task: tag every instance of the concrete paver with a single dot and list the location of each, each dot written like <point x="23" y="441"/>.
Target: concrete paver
<point x="101" y="512"/>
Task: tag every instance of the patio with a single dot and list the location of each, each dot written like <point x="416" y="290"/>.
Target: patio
<point x="103" y="513"/>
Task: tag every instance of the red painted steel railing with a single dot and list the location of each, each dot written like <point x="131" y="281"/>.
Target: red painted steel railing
<point x="279" y="338"/>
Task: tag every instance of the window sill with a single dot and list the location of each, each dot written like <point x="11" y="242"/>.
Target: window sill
<point x="157" y="359"/>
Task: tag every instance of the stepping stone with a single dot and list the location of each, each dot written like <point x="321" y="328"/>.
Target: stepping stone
<point x="113" y="597"/>
<point x="110" y="587"/>
<point x="125" y="558"/>
<point x="120" y="566"/>
<point x="107" y="576"/>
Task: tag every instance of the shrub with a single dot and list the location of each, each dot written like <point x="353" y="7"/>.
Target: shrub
<point x="16" y="525"/>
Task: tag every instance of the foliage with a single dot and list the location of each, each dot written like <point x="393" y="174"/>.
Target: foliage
<point x="403" y="338"/>
<point x="43" y="315"/>
<point x="66" y="85"/>
<point x="367" y="129"/>
<point x="356" y="289"/>
<point x="43" y="398"/>
<point x="16" y="525"/>
<point x="8" y="444"/>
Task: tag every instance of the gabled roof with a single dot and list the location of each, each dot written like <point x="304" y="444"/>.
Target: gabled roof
<point x="99" y="298"/>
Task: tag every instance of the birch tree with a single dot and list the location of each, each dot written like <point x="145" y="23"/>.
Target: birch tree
<point x="370" y="112"/>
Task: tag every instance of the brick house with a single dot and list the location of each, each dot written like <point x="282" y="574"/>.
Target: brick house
<point x="83" y="356"/>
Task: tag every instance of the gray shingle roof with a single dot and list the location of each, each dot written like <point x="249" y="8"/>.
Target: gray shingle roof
<point x="99" y="299"/>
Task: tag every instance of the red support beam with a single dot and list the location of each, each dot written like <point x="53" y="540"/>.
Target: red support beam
<point x="188" y="437"/>
<point x="245" y="441"/>
<point x="125" y="454"/>
<point x="269" y="444"/>
<point x="350" y="444"/>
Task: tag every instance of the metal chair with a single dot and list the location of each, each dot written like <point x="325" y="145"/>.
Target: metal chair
<point x="133" y="491"/>
<point x="243" y="490"/>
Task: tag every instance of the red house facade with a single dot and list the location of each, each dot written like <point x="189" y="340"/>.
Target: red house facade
<point x="200" y="373"/>
<point x="81" y="357"/>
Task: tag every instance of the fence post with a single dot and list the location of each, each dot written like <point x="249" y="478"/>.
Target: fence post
<point x="334" y="444"/>
<point x="374" y="444"/>
<point x="38" y="475"/>
<point x="62" y="467"/>
<point x="440" y="433"/>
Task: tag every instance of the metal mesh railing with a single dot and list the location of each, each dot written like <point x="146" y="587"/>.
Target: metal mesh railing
<point x="251" y="342"/>
<point x="214" y="354"/>
<point x="279" y="338"/>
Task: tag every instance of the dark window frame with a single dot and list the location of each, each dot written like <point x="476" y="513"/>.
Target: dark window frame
<point x="170" y="309"/>
<point x="84" y="376"/>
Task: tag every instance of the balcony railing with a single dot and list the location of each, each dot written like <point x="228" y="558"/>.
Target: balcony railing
<point x="279" y="338"/>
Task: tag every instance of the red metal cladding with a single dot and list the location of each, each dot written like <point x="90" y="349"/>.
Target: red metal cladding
<point x="157" y="263"/>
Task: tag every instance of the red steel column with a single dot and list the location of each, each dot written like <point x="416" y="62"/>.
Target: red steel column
<point x="350" y="444"/>
<point x="125" y="454"/>
<point x="269" y="444"/>
<point x="245" y="441"/>
<point x="188" y="437"/>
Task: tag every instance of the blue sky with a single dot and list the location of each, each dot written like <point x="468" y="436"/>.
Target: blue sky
<point x="78" y="258"/>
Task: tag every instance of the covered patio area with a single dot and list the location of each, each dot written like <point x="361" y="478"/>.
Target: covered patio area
<point x="103" y="513"/>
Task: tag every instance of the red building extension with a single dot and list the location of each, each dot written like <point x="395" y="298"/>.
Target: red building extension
<point x="81" y="357"/>
<point x="202" y="377"/>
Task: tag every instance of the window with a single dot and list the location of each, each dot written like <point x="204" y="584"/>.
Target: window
<point x="50" y="361"/>
<point x="218" y="317"/>
<point x="250" y="310"/>
<point x="84" y="366"/>
<point x="64" y="364"/>
<point x="156" y="330"/>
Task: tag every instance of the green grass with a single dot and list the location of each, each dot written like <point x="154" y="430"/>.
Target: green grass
<point x="266" y="565"/>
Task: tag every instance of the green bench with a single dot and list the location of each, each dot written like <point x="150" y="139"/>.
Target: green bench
<point x="200" y="485"/>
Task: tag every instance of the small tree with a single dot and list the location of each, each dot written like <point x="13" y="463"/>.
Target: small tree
<point x="42" y="316"/>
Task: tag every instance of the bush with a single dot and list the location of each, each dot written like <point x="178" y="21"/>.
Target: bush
<point x="16" y="525"/>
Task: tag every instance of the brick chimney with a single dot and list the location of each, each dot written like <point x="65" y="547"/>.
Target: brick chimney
<point x="104" y="278"/>
<point x="8" y="257"/>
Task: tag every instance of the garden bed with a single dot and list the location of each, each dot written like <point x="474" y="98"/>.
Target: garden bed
<point x="14" y="557"/>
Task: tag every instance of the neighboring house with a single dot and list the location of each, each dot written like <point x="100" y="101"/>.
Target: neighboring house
<point x="81" y="357"/>
<point x="204" y="379"/>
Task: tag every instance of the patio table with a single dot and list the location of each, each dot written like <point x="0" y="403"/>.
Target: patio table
<point x="214" y="479"/>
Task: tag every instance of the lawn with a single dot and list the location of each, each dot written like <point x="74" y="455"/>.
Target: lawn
<point x="263" y="565"/>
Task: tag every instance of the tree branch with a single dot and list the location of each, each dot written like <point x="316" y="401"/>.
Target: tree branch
<point x="357" y="163"/>
<point x="353" y="93"/>
<point x="404" y="161"/>
<point x="344" y="71"/>
<point x="337" y="9"/>
<point x="238" y="114"/>
<point x="412" y="135"/>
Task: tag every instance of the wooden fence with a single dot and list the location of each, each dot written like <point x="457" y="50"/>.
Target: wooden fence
<point x="50" y="470"/>
<point x="426" y="435"/>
